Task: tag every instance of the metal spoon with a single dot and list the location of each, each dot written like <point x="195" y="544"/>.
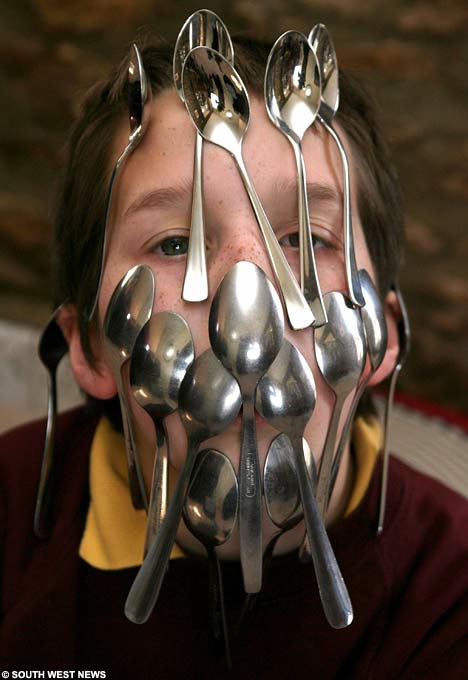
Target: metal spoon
<point x="209" y="402"/>
<point x="286" y="399"/>
<point x="375" y="329"/>
<point x="340" y="351"/>
<point x="322" y="44"/>
<point x="162" y="353"/>
<point x="210" y="513"/>
<point x="218" y="103"/>
<point x="292" y="98"/>
<point x="139" y="111"/>
<point x="201" y="28"/>
<point x="128" y="310"/>
<point x="404" y="341"/>
<point x="52" y="348"/>
<point x="246" y="332"/>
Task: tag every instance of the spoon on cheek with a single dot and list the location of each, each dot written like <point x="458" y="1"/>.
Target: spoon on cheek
<point x="209" y="402"/>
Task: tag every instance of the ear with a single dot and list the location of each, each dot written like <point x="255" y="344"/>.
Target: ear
<point x="392" y="316"/>
<point x="97" y="380"/>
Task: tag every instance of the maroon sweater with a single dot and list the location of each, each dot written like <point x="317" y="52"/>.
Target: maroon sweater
<point x="409" y="588"/>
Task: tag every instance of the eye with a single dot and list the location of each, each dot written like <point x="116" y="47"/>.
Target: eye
<point x="174" y="245"/>
<point x="292" y="241"/>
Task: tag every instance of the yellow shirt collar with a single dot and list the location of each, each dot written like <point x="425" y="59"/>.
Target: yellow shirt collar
<point x="114" y="534"/>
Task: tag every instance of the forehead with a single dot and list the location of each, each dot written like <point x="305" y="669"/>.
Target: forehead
<point x="166" y="152"/>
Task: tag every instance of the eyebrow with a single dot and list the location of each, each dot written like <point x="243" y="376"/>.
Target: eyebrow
<point x="164" y="197"/>
<point x="317" y="192"/>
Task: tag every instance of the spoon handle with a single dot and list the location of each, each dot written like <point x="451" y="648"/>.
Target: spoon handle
<point x="298" y="310"/>
<point x="159" y="485"/>
<point x="103" y="244"/>
<point x="309" y="278"/>
<point x="147" y="584"/>
<point x="43" y="510"/>
<point x="345" y="433"/>
<point x="135" y="478"/>
<point x="352" y="276"/>
<point x="250" y="502"/>
<point x="332" y="588"/>
<point x="324" y="478"/>
<point x="195" y="286"/>
<point x="385" y="454"/>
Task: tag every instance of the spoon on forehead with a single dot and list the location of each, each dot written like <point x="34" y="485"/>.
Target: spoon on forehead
<point x="128" y="310"/>
<point x="209" y="402"/>
<point x="292" y="97"/>
<point x="219" y="106"/>
<point x="139" y="111"/>
<point x="210" y="513"/>
<point x="162" y="354"/>
<point x="340" y="352"/>
<point x="375" y="329"/>
<point x="322" y="44"/>
<point x="286" y="399"/>
<point x="404" y="341"/>
<point x="202" y="28"/>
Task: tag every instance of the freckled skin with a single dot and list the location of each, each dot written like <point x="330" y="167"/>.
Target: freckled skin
<point x="164" y="158"/>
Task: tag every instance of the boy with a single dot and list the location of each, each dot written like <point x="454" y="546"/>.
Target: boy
<point x="63" y="599"/>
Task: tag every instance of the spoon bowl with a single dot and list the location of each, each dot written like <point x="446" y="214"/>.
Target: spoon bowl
<point x="127" y="312"/>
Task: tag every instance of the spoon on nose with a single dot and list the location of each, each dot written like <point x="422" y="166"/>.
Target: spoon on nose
<point x="340" y="352"/>
<point x="162" y="353"/>
<point x="209" y="402"/>
<point x="246" y="332"/>
<point x="210" y="513"/>
<point x="286" y="399"/>
<point x="202" y="28"/>
<point x="219" y="106"/>
<point x="139" y="111"/>
<point x="292" y="98"/>
<point x="375" y="330"/>
<point x="128" y="310"/>
<point x="322" y="44"/>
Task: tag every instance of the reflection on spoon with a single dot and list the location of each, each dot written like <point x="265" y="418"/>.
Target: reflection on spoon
<point x="217" y="101"/>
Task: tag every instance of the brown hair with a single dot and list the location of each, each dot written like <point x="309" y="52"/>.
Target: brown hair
<point x="81" y="208"/>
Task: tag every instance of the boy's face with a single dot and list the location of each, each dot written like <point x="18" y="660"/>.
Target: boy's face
<point x="151" y="221"/>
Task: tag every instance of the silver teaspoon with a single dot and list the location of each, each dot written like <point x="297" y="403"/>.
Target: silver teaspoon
<point x="375" y="329"/>
<point x="218" y="104"/>
<point x="202" y="28"/>
<point x="404" y="341"/>
<point x="139" y="111"/>
<point x="286" y="399"/>
<point x="246" y="332"/>
<point x="210" y="513"/>
<point x="52" y="348"/>
<point x="162" y="353"/>
<point x="340" y="352"/>
<point x="209" y="402"/>
<point x="292" y="98"/>
<point x="322" y="44"/>
<point x="128" y="310"/>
